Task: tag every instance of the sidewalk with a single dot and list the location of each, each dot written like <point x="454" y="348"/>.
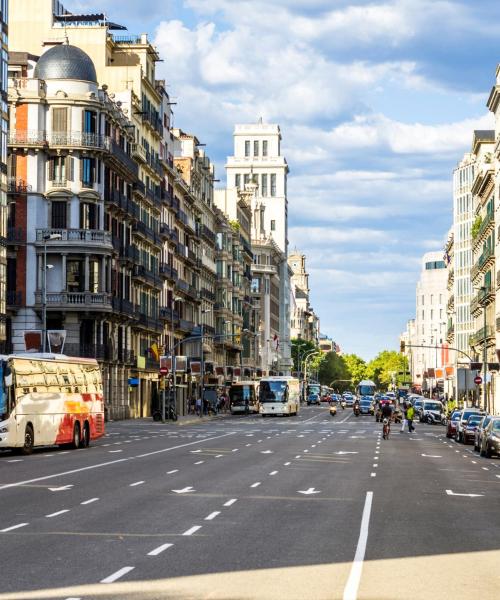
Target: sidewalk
<point x="194" y="419"/>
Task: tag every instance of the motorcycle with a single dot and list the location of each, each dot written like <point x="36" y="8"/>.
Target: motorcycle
<point x="356" y="411"/>
<point x="343" y="404"/>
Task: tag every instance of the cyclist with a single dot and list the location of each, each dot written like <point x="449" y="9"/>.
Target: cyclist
<point x="386" y="418"/>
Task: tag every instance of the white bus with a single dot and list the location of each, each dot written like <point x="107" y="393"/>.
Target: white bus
<point x="279" y="396"/>
<point x="243" y="397"/>
<point x="49" y="400"/>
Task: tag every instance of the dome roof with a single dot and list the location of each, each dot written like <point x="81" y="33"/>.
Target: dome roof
<point x="65" y="62"/>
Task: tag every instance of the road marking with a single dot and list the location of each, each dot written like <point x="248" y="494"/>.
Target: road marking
<point x="373" y="474"/>
<point x="248" y="445"/>
<point x="200" y="462"/>
<point x="56" y="514"/>
<point x="117" y="575"/>
<point x="172" y="472"/>
<point x="266" y="452"/>
<point x="192" y="530"/>
<point x="273" y="472"/>
<point x="105" y="464"/>
<point x="309" y="491"/>
<point x="136" y="483"/>
<point x="195" y="451"/>
<point x="474" y="462"/>
<point x="298" y="456"/>
<point x="12" y="527"/>
<point x="159" y="550"/>
<point x="256" y="484"/>
<point x="235" y="450"/>
<point x="62" y="488"/>
<point x="450" y="493"/>
<point x="485" y="468"/>
<point x="89" y="501"/>
<point x="375" y="465"/>
<point x="15" y="460"/>
<point x="431" y="456"/>
<point x="344" y="452"/>
<point x="212" y="516"/>
<point x="185" y="490"/>
<point x="351" y="588"/>
<point x="286" y="464"/>
<point x="230" y="502"/>
<point x="114" y="451"/>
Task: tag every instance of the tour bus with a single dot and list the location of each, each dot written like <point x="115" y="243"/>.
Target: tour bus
<point x="366" y="388"/>
<point x="279" y="396"/>
<point x="49" y="400"/>
<point x="243" y="397"/>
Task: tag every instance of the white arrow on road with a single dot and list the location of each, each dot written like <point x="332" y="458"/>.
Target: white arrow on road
<point x="450" y="493"/>
<point x="344" y="452"/>
<point x="185" y="490"/>
<point x="266" y="452"/>
<point x="63" y="488"/>
<point x="309" y="491"/>
<point x="431" y="456"/>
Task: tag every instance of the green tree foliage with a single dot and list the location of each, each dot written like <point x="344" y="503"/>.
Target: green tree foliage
<point x="299" y="349"/>
<point x="356" y="367"/>
<point x="333" y="372"/>
<point x="386" y="366"/>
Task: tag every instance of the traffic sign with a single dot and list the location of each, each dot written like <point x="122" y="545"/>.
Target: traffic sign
<point x="163" y="371"/>
<point x="478" y="380"/>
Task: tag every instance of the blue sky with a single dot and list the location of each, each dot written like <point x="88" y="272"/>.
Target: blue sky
<point x="377" y="102"/>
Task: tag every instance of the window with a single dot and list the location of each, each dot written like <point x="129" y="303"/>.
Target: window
<point x="57" y="169"/>
<point x="75" y="276"/>
<point x="256" y="148"/>
<point x="88" y="171"/>
<point x="59" y="215"/>
<point x="264" y="185"/>
<point x="246" y="179"/>
<point x="273" y="184"/>
<point x="264" y="148"/>
<point x="89" y="216"/>
<point x="59" y="123"/>
<point x="89" y="121"/>
<point x="247" y="147"/>
<point x="237" y="181"/>
<point x="273" y="225"/>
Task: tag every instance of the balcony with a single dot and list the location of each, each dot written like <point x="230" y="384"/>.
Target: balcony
<point x="120" y="305"/>
<point x="77" y="139"/>
<point x="98" y="301"/>
<point x="207" y="295"/>
<point x="148" y="322"/>
<point x="129" y="254"/>
<point x="451" y="302"/>
<point x="481" y="299"/>
<point x="487" y="225"/>
<point x="487" y="257"/>
<point x="120" y="156"/>
<point x="185" y="326"/>
<point x="478" y="338"/>
<point x="95" y="238"/>
<point x="147" y="276"/>
<point x="139" y="153"/>
<point x="27" y="138"/>
<point x="18" y="186"/>
<point x="14" y="300"/>
<point x="140" y="188"/>
<point x="15" y="236"/>
<point x="207" y="233"/>
<point x="167" y="314"/>
<point x="164" y="231"/>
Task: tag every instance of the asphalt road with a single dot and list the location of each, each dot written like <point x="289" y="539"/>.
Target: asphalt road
<point x="239" y="508"/>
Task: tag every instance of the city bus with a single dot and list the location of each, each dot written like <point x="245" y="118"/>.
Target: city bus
<point x="243" y="397"/>
<point x="48" y="400"/>
<point x="279" y="396"/>
<point x="366" y="388"/>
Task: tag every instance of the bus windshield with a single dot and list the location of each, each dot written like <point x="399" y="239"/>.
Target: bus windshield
<point x="313" y="388"/>
<point x="366" y="390"/>
<point x="273" y="391"/>
<point x="241" y="393"/>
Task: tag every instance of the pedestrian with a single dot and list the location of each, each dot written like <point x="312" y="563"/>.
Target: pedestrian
<point x="403" y="420"/>
<point x="410" y="413"/>
<point x="198" y="406"/>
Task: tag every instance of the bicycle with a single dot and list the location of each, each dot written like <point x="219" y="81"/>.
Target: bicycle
<point x="386" y="429"/>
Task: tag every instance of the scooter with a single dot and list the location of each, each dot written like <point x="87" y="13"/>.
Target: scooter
<point x="170" y="414"/>
<point x="356" y="411"/>
<point x="343" y="404"/>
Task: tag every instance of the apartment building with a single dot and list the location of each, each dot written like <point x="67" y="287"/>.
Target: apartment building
<point x="304" y="321"/>
<point x="4" y="184"/>
<point x="258" y="159"/>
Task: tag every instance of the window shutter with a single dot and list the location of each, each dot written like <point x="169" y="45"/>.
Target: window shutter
<point x="69" y="168"/>
<point x="51" y="169"/>
<point x="60" y="120"/>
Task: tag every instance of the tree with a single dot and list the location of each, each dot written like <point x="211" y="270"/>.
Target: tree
<point x="299" y="350"/>
<point x="356" y="367"/>
<point x="386" y="367"/>
<point x="333" y="372"/>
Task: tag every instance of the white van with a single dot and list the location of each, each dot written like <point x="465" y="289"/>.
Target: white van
<point x="279" y="396"/>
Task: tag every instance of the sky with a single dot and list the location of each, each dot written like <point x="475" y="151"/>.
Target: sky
<point x="377" y="103"/>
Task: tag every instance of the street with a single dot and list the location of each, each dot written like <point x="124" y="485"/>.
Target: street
<point x="251" y="508"/>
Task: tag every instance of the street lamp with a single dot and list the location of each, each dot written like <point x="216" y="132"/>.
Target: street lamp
<point x="483" y="305"/>
<point x="173" y="400"/>
<point x="46" y="238"/>
<point x="202" y="357"/>
<point x="307" y="357"/>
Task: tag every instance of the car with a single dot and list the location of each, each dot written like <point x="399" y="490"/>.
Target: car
<point x="464" y="416"/>
<point x="418" y="405"/>
<point x="478" y="436"/>
<point x="349" y="400"/>
<point x="470" y="427"/>
<point x="366" y="406"/>
<point x="333" y="410"/>
<point x="391" y="396"/>
<point x="313" y="399"/>
<point x="326" y="398"/>
<point x="432" y="412"/>
<point x="491" y="438"/>
<point x="451" y="428"/>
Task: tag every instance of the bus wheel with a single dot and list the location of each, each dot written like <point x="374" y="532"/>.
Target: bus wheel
<point x="29" y="440"/>
<point x="86" y="435"/>
<point x="76" y="436"/>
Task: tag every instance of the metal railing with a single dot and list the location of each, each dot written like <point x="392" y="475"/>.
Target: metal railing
<point x="76" y="299"/>
<point x="92" y="236"/>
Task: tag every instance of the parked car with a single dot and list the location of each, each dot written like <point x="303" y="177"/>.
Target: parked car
<point x="432" y="412"/>
<point x="464" y="416"/>
<point x="491" y="438"/>
<point x="313" y="399"/>
<point x="418" y="405"/>
<point x="478" y="436"/>
<point x="469" y="431"/>
<point x="451" y="428"/>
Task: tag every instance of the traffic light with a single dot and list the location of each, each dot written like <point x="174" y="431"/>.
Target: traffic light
<point x="402" y="347"/>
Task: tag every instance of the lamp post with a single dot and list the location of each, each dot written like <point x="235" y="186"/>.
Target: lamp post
<point x="485" y="366"/>
<point x="173" y="398"/>
<point x="308" y="356"/>
<point x="46" y="238"/>
<point x="203" y="311"/>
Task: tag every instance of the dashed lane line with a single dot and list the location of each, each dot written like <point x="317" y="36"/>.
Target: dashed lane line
<point x="212" y="515"/>
<point x="160" y="549"/>
<point x="12" y="527"/>
<point x="56" y="514"/>
<point x="89" y="501"/>
<point x="256" y="484"/>
<point x="115" y="576"/>
<point x="136" y="483"/>
<point x="192" y="530"/>
<point x="172" y="471"/>
<point x="233" y="500"/>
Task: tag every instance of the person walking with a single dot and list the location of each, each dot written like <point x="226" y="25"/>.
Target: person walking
<point x="403" y="420"/>
<point x="410" y="414"/>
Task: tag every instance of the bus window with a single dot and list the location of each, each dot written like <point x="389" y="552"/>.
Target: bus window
<point x="273" y="391"/>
